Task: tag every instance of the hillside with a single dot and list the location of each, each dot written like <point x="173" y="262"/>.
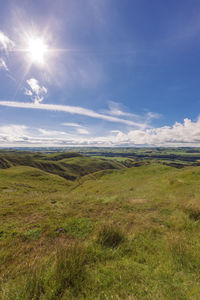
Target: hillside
<point x="68" y="165"/>
<point x="115" y="233"/>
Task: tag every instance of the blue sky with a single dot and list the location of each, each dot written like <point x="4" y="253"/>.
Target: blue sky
<point x="99" y="73"/>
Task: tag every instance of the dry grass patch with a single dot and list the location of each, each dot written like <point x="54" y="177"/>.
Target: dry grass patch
<point x="62" y="272"/>
<point x="137" y="200"/>
<point x="192" y="208"/>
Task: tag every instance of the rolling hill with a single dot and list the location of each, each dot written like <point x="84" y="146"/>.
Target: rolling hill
<point x="110" y="233"/>
<point x="68" y="165"/>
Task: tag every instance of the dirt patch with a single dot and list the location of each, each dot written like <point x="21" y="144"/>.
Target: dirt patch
<point x="138" y="200"/>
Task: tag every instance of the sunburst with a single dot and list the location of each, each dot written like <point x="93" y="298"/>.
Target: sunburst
<point x="37" y="50"/>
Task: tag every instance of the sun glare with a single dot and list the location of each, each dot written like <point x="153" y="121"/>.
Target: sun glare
<point x="37" y="50"/>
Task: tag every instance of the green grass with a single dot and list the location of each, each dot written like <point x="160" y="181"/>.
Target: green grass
<point x="126" y="233"/>
<point x="117" y="158"/>
<point x="68" y="165"/>
<point x="78" y="227"/>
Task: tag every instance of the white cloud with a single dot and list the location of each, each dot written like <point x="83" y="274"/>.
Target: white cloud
<point x="51" y="133"/>
<point x="82" y="131"/>
<point x="151" y="115"/>
<point x="6" y="44"/>
<point x="36" y="91"/>
<point x="72" y="110"/>
<point x="116" y="110"/>
<point x="72" y="124"/>
<point x="28" y="92"/>
<point x="79" y="128"/>
<point x="3" y="64"/>
<point x="180" y="134"/>
<point x="13" y="133"/>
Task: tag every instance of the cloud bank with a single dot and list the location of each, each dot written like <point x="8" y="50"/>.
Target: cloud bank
<point x="180" y="134"/>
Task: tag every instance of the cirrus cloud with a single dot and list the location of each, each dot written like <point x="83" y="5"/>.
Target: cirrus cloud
<point x="79" y="128"/>
<point x="6" y="43"/>
<point x="3" y="64"/>
<point x="72" y="110"/>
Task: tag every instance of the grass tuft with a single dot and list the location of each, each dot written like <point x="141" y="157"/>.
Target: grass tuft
<point x="192" y="208"/>
<point x="64" y="274"/>
<point x="110" y="236"/>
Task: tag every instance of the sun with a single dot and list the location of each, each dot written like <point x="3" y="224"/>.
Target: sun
<point x="37" y="49"/>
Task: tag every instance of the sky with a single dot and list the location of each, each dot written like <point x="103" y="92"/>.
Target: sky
<point x="99" y="73"/>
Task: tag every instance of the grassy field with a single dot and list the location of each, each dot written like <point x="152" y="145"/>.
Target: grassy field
<point x="110" y="233"/>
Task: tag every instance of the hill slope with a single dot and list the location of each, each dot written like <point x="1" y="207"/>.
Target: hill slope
<point x="115" y="234"/>
<point x="68" y="165"/>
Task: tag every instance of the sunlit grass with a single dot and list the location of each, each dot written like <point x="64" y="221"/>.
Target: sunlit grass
<point x="114" y="234"/>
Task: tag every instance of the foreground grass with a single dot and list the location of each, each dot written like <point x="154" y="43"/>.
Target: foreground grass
<point x="115" y="234"/>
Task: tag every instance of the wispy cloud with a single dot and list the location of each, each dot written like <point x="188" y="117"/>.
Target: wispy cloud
<point x="6" y="43"/>
<point x="35" y="91"/>
<point x="120" y="110"/>
<point x="72" y="125"/>
<point x="52" y="133"/>
<point x="79" y="128"/>
<point x="3" y="64"/>
<point x="151" y="115"/>
<point x="72" y="110"/>
<point x="116" y="109"/>
<point x="82" y="131"/>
